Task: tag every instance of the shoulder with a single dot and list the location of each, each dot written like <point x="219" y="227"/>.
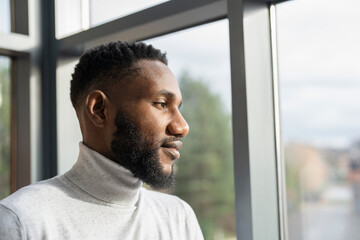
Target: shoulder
<point x="30" y="198"/>
<point x="35" y="190"/>
<point x="24" y="204"/>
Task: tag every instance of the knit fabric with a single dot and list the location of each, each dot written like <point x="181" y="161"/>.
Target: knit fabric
<point x="96" y="199"/>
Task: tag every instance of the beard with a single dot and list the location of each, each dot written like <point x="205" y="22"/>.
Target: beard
<point x="136" y="153"/>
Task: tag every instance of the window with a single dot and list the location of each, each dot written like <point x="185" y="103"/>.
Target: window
<point x="5" y="127"/>
<point x="77" y="15"/>
<point x="5" y="26"/>
<point x="255" y="155"/>
<point x="204" y="173"/>
<point x="68" y="129"/>
<point x="69" y="17"/>
<point x="319" y="76"/>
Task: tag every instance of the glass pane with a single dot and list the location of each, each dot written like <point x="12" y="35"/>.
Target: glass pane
<point x="68" y="17"/>
<point x="319" y="58"/>
<point x="5" y="127"/>
<point x="101" y="13"/>
<point x="5" y="20"/>
<point x="204" y="173"/>
<point x="68" y="129"/>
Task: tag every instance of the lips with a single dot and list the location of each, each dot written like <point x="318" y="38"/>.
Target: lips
<point x="172" y="149"/>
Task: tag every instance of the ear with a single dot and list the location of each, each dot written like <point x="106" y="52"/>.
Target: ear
<point x="97" y="108"/>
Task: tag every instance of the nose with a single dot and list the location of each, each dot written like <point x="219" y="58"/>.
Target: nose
<point x="178" y="126"/>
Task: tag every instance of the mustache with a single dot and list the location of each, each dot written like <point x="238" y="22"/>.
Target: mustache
<point x="168" y="140"/>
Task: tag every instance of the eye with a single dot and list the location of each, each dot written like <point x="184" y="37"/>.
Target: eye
<point x="161" y="104"/>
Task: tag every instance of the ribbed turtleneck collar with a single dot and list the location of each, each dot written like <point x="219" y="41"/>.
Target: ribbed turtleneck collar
<point x="104" y="179"/>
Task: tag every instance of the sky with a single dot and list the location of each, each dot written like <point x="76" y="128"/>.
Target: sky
<point x="319" y="71"/>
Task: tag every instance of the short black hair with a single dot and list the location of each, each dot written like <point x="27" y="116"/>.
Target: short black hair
<point x="100" y="66"/>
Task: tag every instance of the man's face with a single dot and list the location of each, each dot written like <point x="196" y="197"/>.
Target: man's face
<point x="148" y="124"/>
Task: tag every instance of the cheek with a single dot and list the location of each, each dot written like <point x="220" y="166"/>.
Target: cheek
<point x="153" y="127"/>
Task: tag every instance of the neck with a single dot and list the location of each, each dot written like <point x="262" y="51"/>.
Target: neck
<point x="104" y="179"/>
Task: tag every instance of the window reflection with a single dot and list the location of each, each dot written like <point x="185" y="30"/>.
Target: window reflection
<point x="320" y="86"/>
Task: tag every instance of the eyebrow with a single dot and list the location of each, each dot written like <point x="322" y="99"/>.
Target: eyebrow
<point x="168" y="94"/>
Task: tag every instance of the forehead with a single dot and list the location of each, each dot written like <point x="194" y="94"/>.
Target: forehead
<point x="153" y="78"/>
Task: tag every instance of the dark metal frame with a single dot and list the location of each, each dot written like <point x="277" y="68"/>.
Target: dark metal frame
<point x="48" y="89"/>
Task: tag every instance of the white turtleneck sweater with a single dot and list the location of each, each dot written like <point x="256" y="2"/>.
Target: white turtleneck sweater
<point x="96" y="199"/>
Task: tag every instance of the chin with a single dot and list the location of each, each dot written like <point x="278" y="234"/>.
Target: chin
<point x="167" y="169"/>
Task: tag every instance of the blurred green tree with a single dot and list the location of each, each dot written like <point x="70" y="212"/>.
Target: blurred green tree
<point x="205" y="177"/>
<point x="5" y="127"/>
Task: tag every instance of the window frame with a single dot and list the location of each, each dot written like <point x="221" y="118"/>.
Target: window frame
<point x="257" y="156"/>
<point x="14" y="45"/>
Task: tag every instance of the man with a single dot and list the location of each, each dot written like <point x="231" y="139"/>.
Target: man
<point x="127" y="101"/>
